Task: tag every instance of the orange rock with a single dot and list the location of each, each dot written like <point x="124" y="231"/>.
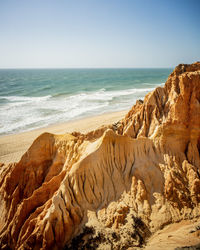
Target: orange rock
<point x="148" y="164"/>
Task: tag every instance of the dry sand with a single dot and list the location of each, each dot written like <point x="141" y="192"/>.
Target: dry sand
<point x="181" y="235"/>
<point x="12" y="147"/>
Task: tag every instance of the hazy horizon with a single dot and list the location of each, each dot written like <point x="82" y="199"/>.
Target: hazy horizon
<point x="92" y="68"/>
<point x="98" y="34"/>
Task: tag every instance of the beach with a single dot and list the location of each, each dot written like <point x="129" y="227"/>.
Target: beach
<point x="13" y="146"/>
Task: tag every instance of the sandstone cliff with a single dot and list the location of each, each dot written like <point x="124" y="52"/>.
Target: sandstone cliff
<point x="131" y="178"/>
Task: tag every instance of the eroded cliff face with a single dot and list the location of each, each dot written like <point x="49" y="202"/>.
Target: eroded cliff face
<point x="129" y="178"/>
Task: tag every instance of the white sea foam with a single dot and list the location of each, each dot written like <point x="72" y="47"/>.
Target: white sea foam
<point x="21" y="113"/>
<point x="109" y="95"/>
<point x="25" y="98"/>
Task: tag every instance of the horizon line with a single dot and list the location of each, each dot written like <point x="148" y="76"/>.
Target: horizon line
<point x="88" y="68"/>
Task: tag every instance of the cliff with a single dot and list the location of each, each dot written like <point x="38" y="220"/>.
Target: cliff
<point x="130" y="179"/>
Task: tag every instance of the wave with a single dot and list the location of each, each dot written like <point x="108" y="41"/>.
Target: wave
<point x="21" y="113"/>
<point x="26" y="118"/>
<point x="25" y="98"/>
<point x="104" y="95"/>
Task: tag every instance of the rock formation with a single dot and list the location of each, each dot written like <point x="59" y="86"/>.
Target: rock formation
<point x="133" y="177"/>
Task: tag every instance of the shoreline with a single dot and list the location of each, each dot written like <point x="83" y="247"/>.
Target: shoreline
<point x="13" y="146"/>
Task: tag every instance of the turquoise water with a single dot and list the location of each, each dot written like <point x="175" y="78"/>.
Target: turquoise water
<point x="33" y="98"/>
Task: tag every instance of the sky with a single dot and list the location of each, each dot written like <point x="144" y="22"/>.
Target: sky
<point x="98" y="33"/>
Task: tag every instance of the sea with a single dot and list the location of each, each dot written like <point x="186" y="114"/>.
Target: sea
<point x="35" y="98"/>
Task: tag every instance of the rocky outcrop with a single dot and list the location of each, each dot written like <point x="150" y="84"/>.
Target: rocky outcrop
<point x="134" y="176"/>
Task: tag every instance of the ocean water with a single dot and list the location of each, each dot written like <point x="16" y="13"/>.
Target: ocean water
<point x="34" y="98"/>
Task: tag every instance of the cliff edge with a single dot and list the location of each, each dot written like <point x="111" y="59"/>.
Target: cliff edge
<point x="131" y="178"/>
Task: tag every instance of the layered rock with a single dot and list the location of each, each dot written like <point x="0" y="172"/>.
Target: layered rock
<point x="139" y="174"/>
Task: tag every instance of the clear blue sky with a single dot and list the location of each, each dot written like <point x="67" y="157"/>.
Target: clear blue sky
<point x="98" y="33"/>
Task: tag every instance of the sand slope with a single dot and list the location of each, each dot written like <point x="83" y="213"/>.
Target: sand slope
<point x="12" y="147"/>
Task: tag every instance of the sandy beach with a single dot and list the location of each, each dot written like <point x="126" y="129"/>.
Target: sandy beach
<point x="13" y="146"/>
